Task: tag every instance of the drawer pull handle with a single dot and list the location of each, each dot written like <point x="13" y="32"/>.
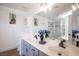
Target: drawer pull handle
<point x="26" y="50"/>
<point x="33" y="50"/>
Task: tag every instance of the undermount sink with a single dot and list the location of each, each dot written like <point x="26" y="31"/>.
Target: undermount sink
<point x="69" y="50"/>
<point x="58" y="50"/>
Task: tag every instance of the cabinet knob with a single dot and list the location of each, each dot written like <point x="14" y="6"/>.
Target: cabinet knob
<point x="26" y="49"/>
<point x="33" y="50"/>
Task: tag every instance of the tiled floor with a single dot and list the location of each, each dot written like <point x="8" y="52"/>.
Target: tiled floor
<point x="12" y="52"/>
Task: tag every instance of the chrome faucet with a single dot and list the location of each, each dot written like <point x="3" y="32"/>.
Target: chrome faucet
<point x="61" y="44"/>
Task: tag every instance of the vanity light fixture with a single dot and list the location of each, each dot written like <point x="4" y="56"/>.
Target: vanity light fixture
<point x="46" y="6"/>
<point x="75" y="6"/>
<point x="43" y="6"/>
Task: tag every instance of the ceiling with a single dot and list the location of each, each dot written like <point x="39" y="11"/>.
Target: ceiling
<point x="57" y="9"/>
<point x="26" y="7"/>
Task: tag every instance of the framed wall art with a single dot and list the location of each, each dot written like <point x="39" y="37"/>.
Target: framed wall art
<point x="35" y="22"/>
<point x="12" y="18"/>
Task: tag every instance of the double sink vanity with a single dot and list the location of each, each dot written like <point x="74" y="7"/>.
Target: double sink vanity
<point x="31" y="47"/>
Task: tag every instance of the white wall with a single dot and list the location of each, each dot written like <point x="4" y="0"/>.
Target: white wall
<point x="9" y="32"/>
<point x="42" y="23"/>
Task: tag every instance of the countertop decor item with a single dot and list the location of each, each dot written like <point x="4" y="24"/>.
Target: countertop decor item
<point x="41" y="35"/>
<point x="47" y="33"/>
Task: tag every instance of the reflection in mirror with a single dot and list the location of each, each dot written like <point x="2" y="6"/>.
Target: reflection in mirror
<point x="51" y="21"/>
<point x="75" y="28"/>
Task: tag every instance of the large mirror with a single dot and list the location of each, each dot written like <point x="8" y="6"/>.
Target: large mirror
<point x="53" y="20"/>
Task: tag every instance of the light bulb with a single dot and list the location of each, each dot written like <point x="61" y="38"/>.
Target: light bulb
<point x="74" y="7"/>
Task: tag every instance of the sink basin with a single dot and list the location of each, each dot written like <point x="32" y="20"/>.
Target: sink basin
<point x="58" y="50"/>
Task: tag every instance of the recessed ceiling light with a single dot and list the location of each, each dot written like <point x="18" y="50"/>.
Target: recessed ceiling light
<point x="56" y="6"/>
<point x="23" y="7"/>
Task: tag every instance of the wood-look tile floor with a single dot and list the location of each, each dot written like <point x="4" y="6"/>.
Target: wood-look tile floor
<point x="12" y="52"/>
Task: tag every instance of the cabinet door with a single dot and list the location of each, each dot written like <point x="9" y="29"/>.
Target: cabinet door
<point x="34" y="51"/>
<point x="26" y="48"/>
<point x="42" y="54"/>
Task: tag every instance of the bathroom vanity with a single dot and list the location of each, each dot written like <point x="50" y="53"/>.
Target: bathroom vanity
<point x="30" y="47"/>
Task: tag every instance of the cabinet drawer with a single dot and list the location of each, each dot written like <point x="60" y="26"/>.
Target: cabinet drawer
<point x="34" y="51"/>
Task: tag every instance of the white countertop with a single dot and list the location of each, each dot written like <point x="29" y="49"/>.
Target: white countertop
<point x="51" y="48"/>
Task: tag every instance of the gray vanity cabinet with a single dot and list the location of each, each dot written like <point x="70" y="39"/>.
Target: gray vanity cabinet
<point x="26" y="48"/>
<point x="30" y="50"/>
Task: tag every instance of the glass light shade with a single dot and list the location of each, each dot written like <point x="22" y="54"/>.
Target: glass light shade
<point x="74" y="7"/>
